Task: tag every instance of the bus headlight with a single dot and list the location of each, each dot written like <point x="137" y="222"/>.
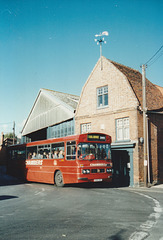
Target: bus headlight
<point x="108" y="170"/>
<point x="85" y="171"/>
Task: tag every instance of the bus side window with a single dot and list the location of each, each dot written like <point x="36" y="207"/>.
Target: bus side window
<point x="32" y="152"/>
<point x="71" y="150"/>
<point x="44" y="152"/>
<point x="58" y="150"/>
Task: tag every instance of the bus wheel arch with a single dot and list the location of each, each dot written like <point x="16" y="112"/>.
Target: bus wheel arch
<point x="58" y="178"/>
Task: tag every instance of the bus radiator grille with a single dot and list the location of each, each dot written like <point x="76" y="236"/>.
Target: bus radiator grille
<point x="97" y="170"/>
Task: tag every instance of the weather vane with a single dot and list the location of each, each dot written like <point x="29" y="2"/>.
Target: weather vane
<point x="100" y="39"/>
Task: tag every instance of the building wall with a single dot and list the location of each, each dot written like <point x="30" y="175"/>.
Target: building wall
<point x="155" y="143"/>
<point x="156" y="147"/>
<point x="121" y="95"/>
<point x="140" y="147"/>
<point x="47" y="111"/>
<point x="122" y="103"/>
<point x="106" y="124"/>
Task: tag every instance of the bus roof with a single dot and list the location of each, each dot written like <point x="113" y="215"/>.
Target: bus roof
<point x="86" y="137"/>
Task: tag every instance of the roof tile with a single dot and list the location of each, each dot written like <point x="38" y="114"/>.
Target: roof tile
<point x="154" y="93"/>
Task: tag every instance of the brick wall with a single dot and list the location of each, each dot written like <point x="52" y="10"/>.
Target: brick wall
<point x="122" y="103"/>
<point x="156" y="147"/>
<point x="121" y="95"/>
<point x="140" y="147"/>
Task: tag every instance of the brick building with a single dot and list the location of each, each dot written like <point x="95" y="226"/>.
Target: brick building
<point x="111" y="102"/>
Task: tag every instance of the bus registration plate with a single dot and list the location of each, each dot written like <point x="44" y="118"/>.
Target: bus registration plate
<point x="97" y="180"/>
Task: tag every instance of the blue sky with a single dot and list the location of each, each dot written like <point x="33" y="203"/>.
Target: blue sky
<point x="50" y="44"/>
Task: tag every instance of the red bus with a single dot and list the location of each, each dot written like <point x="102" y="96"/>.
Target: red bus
<point x="71" y="159"/>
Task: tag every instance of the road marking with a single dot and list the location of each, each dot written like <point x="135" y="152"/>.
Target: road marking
<point x="151" y="222"/>
<point x="138" y="235"/>
<point x="154" y="215"/>
<point x="39" y="192"/>
<point x="148" y="224"/>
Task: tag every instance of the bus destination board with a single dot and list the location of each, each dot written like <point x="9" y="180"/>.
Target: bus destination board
<point x="96" y="137"/>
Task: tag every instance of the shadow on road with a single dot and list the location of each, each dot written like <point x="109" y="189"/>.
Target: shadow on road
<point x="6" y="197"/>
<point x="118" y="236"/>
<point x="92" y="185"/>
<point x="6" y="180"/>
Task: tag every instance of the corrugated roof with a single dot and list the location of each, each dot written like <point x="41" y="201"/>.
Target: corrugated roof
<point x="50" y="107"/>
<point x="154" y="93"/>
<point x="70" y="99"/>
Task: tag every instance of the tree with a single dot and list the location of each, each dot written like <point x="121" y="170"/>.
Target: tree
<point x="9" y="135"/>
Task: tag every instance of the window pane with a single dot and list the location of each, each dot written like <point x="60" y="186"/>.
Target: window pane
<point x="32" y="152"/>
<point x="102" y="96"/>
<point x="57" y="150"/>
<point x="99" y="100"/>
<point x="85" y="128"/>
<point x="120" y="134"/>
<point x="66" y="129"/>
<point x="105" y="89"/>
<point x="119" y="123"/>
<point x="71" y="150"/>
<point x="69" y="128"/>
<point x="89" y="151"/>
<point x="100" y="91"/>
<point x="58" y="130"/>
<point x="61" y="130"/>
<point x="126" y="121"/>
<point x="88" y="127"/>
<point x="105" y="99"/>
<point x="126" y="133"/>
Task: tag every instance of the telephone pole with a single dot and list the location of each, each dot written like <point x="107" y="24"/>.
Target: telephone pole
<point x="145" y="125"/>
<point x="13" y="132"/>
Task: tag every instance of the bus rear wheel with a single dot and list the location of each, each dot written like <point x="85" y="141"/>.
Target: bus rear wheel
<point x="59" y="179"/>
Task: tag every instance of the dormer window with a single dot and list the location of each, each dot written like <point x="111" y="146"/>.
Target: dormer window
<point x="102" y="97"/>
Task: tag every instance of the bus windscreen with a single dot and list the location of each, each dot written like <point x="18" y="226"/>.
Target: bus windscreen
<point x="94" y="151"/>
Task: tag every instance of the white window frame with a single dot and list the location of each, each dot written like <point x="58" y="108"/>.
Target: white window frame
<point x="85" y="128"/>
<point x="102" y="92"/>
<point x="123" y="129"/>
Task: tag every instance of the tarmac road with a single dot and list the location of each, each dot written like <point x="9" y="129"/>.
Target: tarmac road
<point x="34" y="211"/>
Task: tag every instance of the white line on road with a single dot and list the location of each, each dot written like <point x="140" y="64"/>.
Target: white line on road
<point x="144" y="232"/>
<point x="138" y="235"/>
<point x="39" y="192"/>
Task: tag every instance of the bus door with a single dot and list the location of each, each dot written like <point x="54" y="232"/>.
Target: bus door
<point x="70" y="164"/>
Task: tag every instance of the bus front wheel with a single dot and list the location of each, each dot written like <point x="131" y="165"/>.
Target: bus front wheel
<point x="59" y="179"/>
